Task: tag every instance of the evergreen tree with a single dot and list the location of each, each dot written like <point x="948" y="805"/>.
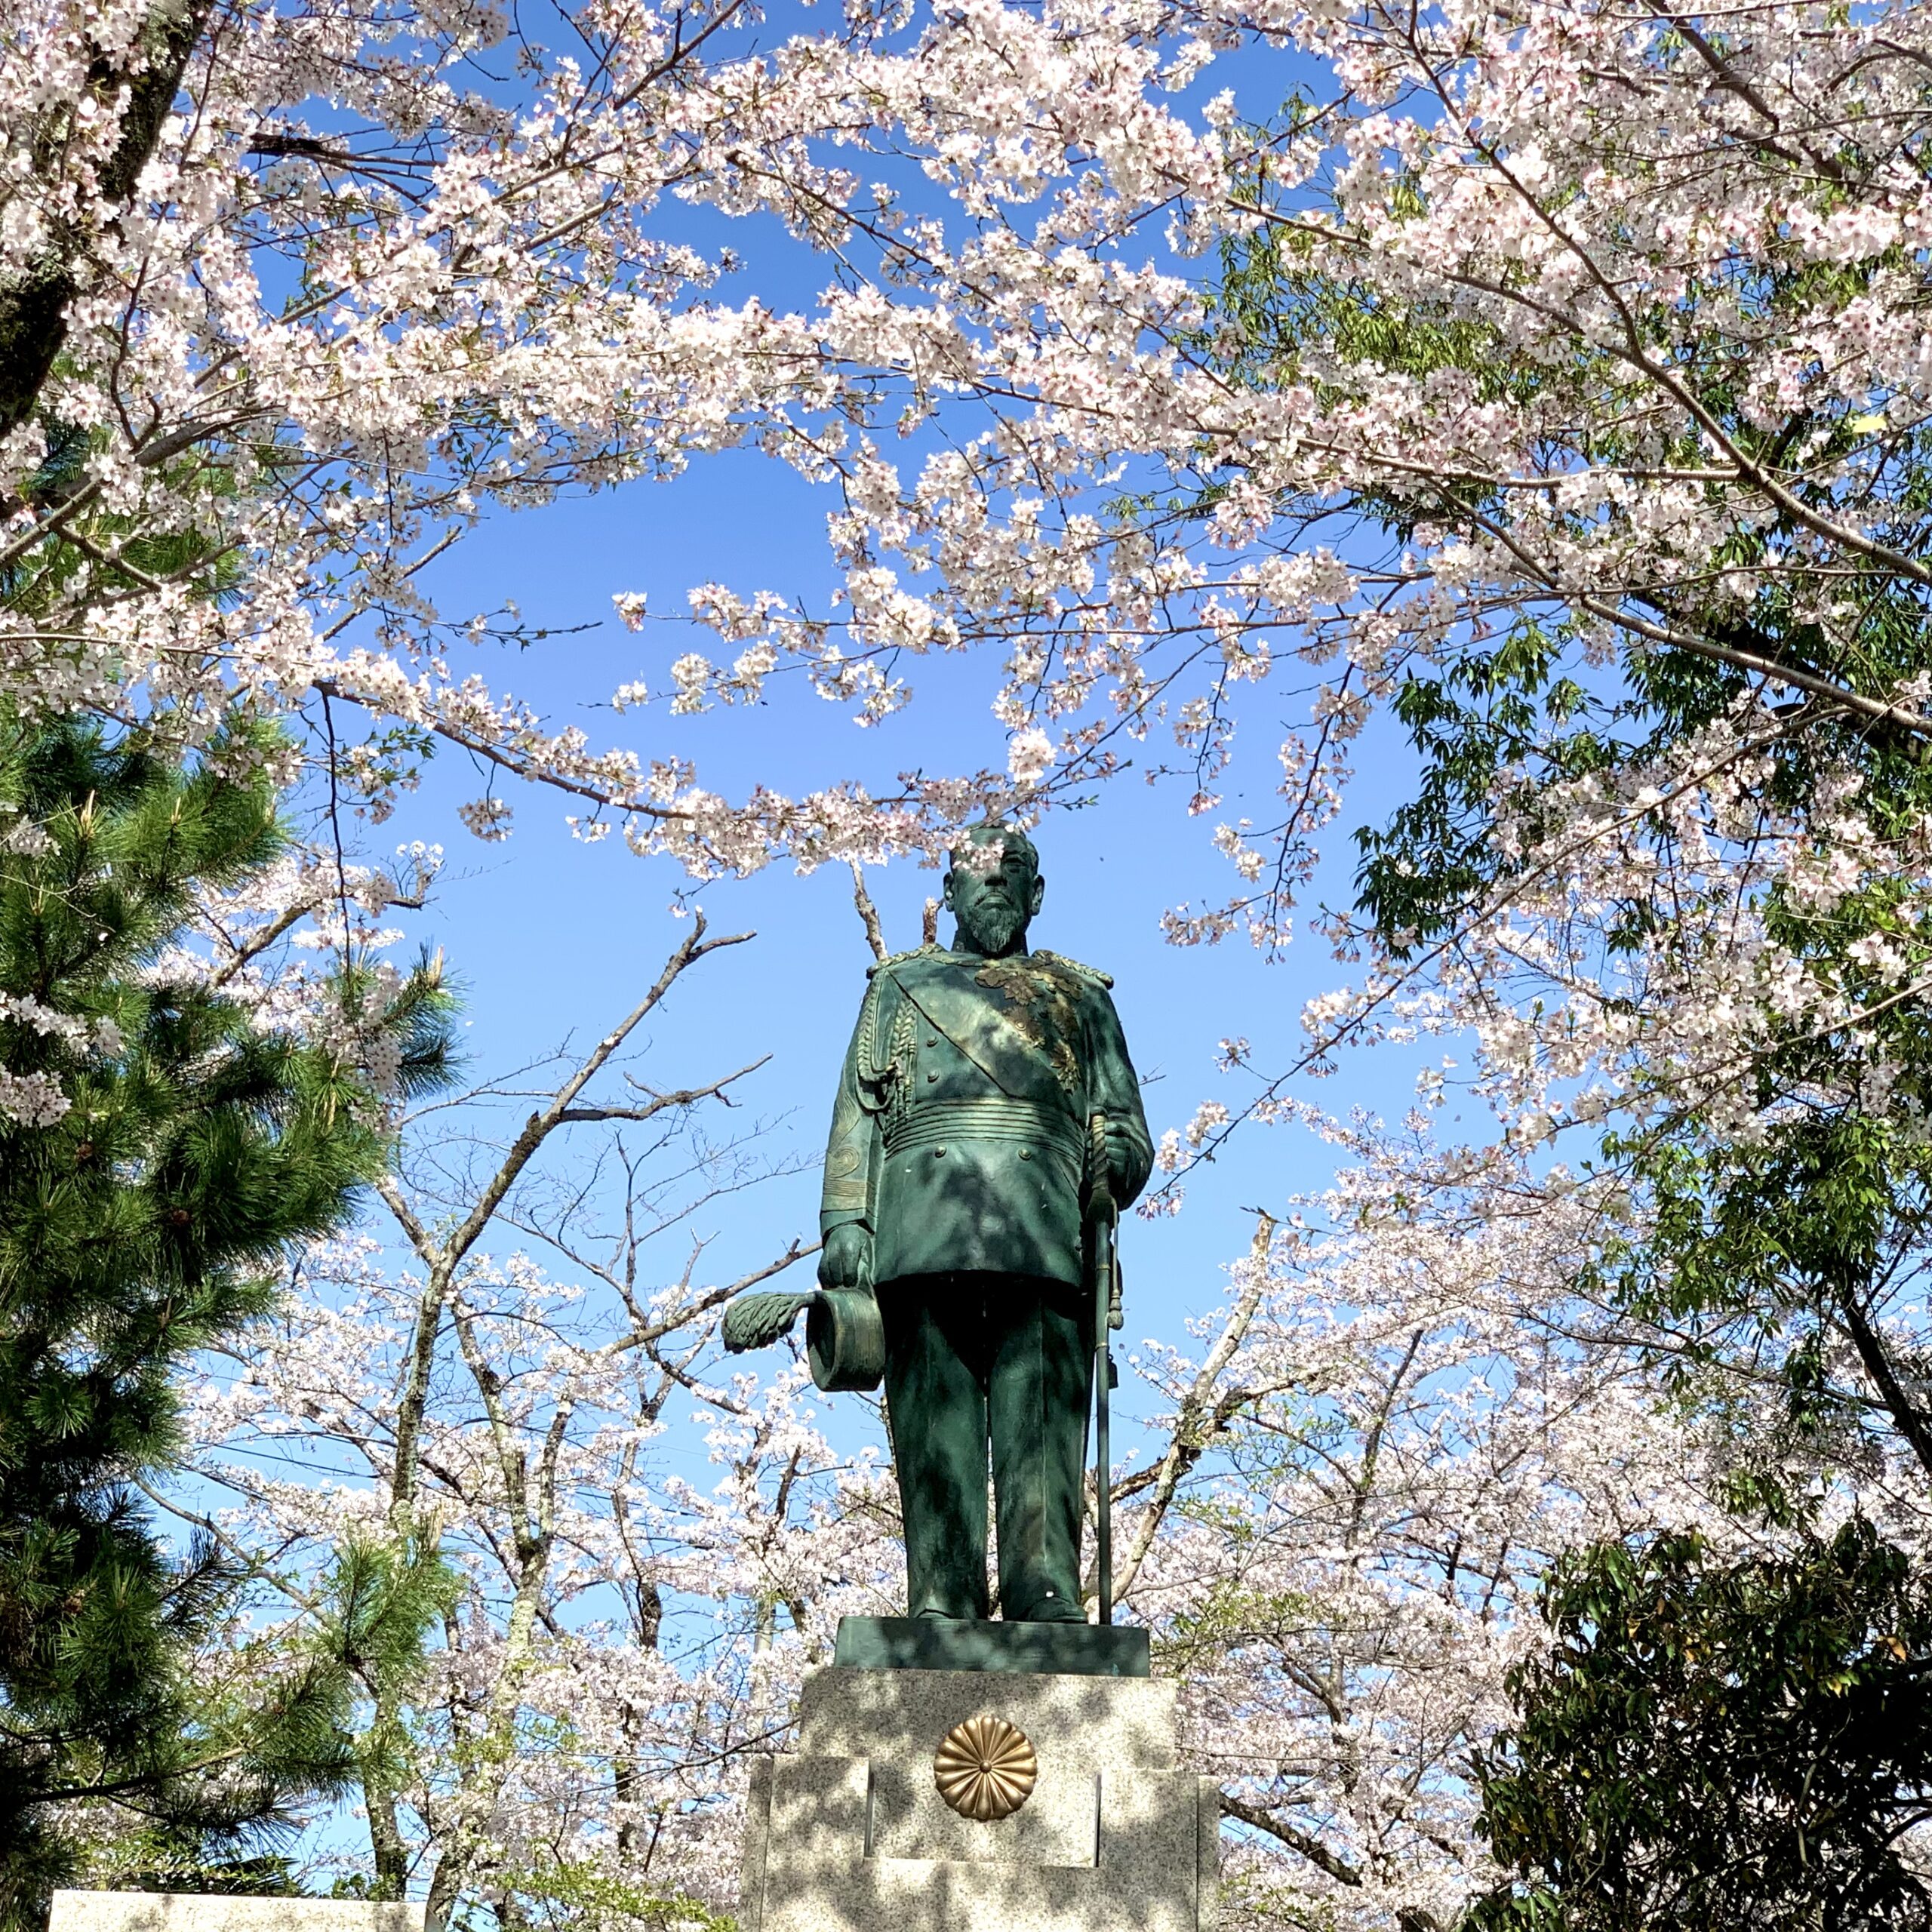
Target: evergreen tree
<point x="162" y="1149"/>
<point x="1744" y="1745"/>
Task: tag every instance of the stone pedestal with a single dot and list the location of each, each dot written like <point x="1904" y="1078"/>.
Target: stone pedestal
<point x="850" y="1833"/>
<point x="214" y="1911"/>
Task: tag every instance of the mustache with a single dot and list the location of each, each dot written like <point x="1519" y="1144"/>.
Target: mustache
<point x="993" y="927"/>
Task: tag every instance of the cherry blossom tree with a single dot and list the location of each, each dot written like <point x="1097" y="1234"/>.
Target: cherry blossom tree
<point x="1342" y="1529"/>
<point x="1527" y="369"/>
<point x="1549" y="380"/>
<point x="568" y="1738"/>
<point x="299" y="296"/>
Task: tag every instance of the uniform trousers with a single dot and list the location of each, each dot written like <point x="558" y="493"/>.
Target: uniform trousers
<point x="980" y="1362"/>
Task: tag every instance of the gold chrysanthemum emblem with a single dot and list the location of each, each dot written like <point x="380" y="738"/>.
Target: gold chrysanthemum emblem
<point x="986" y="1769"/>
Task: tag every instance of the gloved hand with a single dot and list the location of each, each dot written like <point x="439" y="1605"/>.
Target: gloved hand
<point x="847" y="1260"/>
<point x="1123" y="1155"/>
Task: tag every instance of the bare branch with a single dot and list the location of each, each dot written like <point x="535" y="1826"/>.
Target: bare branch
<point x="868" y="911"/>
<point x="445" y="1257"/>
<point x="643" y="1336"/>
<point x="660" y="1103"/>
<point x="1311" y="1848"/>
<point x="1200" y="1419"/>
<point x="541" y="1124"/>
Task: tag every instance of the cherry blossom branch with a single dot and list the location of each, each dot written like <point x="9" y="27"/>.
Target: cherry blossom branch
<point x="1301" y="1842"/>
<point x="445" y="1255"/>
<point x="1203" y="1416"/>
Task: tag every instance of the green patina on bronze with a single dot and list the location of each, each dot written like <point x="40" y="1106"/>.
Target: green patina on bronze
<point x="1053" y="1650"/>
<point x="956" y="1182"/>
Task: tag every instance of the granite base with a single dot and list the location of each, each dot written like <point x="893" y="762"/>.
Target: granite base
<point x="215" y="1912"/>
<point x="850" y="1834"/>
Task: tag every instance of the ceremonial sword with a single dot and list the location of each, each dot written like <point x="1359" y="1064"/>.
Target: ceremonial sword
<point x="1103" y="1216"/>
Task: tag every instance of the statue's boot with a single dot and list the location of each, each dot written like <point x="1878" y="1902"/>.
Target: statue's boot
<point x="936" y="1408"/>
<point x="1051" y="1608"/>
<point x="971" y="1358"/>
<point x="1037" y="1418"/>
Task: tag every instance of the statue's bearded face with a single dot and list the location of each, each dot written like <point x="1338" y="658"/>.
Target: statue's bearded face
<point x="994" y="889"/>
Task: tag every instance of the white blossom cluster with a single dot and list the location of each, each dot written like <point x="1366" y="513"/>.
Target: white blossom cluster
<point x="37" y="1098"/>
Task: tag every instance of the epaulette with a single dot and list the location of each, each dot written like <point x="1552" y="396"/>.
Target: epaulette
<point x="1093" y="972"/>
<point x="899" y="958"/>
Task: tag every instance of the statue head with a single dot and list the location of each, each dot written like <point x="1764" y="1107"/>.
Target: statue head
<point x="993" y="890"/>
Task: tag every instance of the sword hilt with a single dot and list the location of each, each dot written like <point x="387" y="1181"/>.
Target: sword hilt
<point x="1099" y="1184"/>
<point x="1102" y="1207"/>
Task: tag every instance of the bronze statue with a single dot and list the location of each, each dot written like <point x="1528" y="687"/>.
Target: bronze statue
<point x="988" y="1122"/>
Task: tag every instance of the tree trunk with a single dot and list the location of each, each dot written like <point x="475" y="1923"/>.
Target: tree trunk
<point x="1910" y="1419"/>
<point x="34" y="305"/>
<point x="390" y="1854"/>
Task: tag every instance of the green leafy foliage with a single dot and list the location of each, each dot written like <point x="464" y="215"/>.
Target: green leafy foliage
<point x="570" y="1892"/>
<point x="1723" y="1745"/>
<point x="1499" y="723"/>
<point x="194" y="1148"/>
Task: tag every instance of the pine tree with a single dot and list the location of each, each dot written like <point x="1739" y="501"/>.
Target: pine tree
<point x="163" y="1150"/>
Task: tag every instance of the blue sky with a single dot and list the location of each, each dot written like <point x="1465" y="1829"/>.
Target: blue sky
<point x="553" y="937"/>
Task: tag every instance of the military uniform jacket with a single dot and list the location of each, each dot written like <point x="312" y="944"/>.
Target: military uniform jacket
<point x="959" y="1137"/>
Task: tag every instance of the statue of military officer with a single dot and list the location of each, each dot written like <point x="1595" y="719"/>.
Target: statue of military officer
<point x="984" y="1085"/>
